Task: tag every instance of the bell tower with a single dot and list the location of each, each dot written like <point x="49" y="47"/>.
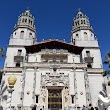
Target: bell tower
<point x="81" y="30"/>
<point x="24" y="34"/>
<point x="24" y="31"/>
<point x="82" y="34"/>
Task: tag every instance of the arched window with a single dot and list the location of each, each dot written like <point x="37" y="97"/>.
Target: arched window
<point x="77" y="36"/>
<point x="92" y="37"/>
<point x="85" y="36"/>
<point x="84" y="22"/>
<point x="21" y="34"/>
<point x="30" y="35"/>
<point x="29" y="21"/>
<point x="81" y="21"/>
<point x="19" y="20"/>
<point x="23" y="20"/>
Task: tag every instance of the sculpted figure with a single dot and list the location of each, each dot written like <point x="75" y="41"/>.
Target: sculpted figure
<point x="104" y="101"/>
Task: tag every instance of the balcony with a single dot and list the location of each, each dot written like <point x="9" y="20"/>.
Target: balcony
<point x="88" y="59"/>
<point x="18" y="58"/>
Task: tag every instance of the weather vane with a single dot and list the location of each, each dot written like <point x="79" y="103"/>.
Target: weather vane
<point x="28" y="8"/>
<point x="79" y="9"/>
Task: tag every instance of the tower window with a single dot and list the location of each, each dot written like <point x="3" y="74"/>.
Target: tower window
<point x="77" y="36"/>
<point x="36" y="98"/>
<point x="81" y="21"/>
<point x="88" y="53"/>
<point x="17" y="64"/>
<point x="78" y="22"/>
<point x="85" y="36"/>
<point x="30" y="35"/>
<point x="19" y="52"/>
<point x="25" y="20"/>
<point x="22" y="34"/>
<point x="84" y="22"/>
<point x="29" y="21"/>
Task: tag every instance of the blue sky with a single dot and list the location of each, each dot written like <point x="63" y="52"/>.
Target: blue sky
<point x="53" y="19"/>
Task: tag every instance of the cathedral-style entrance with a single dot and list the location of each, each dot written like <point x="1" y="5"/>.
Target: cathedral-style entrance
<point x="54" y="99"/>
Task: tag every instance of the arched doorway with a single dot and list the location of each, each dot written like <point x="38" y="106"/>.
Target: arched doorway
<point x="55" y="99"/>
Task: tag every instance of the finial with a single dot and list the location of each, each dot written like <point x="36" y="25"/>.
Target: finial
<point x="28" y="9"/>
<point x="79" y="9"/>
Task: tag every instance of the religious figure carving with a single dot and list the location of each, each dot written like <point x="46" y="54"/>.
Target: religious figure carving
<point x="104" y="101"/>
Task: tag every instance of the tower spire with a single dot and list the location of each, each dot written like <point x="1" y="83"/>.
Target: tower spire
<point x="79" y="9"/>
<point x="28" y="8"/>
<point x="81" y="22"/>
<point x="24" y="32"/>
<point x="26" y="20"/>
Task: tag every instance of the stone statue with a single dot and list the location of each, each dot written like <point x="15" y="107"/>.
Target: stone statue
<point x="104" y="101"/>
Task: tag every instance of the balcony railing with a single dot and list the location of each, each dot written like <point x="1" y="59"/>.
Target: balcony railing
<point x="88" y="59"/>
<point x="18" y="58"/>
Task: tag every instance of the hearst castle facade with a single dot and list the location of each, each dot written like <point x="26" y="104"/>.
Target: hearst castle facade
<point x="53" y="74"/>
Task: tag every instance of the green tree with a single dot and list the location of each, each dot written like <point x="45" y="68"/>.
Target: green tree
<point x="107" y="62"/>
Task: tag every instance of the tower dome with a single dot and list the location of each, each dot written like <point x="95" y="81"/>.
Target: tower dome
<point x="79" y="14"/>
<point x="81" y="22"/>
<point x="26" y="20"/>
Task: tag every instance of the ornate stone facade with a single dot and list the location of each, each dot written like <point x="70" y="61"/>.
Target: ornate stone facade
<point x="53" y="74"/>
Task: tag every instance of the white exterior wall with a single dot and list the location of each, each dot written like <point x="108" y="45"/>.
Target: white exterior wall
<point x="38" y="81"/>
<point x="77" y="59"/>
<point x="81" y="35"/>
<point x="75" y="82"/>
<point x="28" y="87"/>
<point x="71" y="79"/>
<point x="95" y="53"/>
<point x="95" y="81"/>
<point x="70" y="59"/>
<point x="11" y="52"/>
<point x="16" y="40"/>
<point x="81" y="88"/>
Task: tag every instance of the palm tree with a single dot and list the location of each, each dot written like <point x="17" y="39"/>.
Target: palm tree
<point x="107" y="62"/>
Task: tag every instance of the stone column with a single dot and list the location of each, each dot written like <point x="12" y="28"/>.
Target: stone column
<point x="88" y="95"/>
<point x="75" y="89"/>
<point x="34" y="86"/>
<point x="20" y="105"/>
<point x="9" y="98"/>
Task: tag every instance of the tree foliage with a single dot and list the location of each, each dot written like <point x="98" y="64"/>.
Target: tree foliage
<point x="107" y="62"/>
